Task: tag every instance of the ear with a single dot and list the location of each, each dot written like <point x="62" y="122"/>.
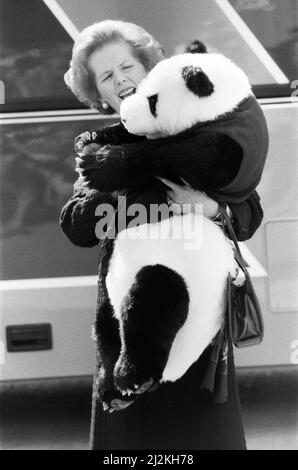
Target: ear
<point x="196" y="47"/>
<point x="197" y="81"/>
<point x="68" y="78"/>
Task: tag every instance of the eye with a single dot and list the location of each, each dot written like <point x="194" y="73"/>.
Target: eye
<point x="152" y="104"/>
<point x="127" y="67"/>
<point x="106" y="78"/>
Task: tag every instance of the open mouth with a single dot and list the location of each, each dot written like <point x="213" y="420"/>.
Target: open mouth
<point x="127" y="92"/>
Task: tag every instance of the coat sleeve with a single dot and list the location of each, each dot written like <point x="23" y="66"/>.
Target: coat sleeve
<point x="78" y="219"/>
<point x="247" y="216"/>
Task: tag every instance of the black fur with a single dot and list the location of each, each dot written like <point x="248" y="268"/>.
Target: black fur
<point x="152" y="104"/>
<point x="153" y="311"/>
<point x="113" y="135"/>
<point x="196" y="47"/>
<point x="106" y="334"/>
<point x="197" y="81"/>
<point x="205" y="160"/>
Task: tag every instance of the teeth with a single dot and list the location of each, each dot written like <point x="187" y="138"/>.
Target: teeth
<point x="127" y="92"/>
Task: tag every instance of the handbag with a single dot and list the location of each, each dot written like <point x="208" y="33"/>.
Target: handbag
<point x="244" y="317"/>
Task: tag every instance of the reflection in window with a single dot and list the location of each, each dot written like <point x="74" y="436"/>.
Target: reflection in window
<point x="275" y="24"/>
<point x="34" y="54"/>
<point x="37" y="175"/>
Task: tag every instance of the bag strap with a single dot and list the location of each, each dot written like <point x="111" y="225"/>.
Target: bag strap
<point x="227" y="222"/>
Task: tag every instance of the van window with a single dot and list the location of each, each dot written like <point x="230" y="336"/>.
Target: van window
<point x="34" y="54"/>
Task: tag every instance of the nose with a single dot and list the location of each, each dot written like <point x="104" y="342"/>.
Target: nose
<point x="119" y="78"/>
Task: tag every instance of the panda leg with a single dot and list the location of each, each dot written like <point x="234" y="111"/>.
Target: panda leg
<point x="154" y="309"/>
<point x="106" y="335"/>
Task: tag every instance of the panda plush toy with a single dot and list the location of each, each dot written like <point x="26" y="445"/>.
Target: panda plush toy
<point x="169" y="297"/>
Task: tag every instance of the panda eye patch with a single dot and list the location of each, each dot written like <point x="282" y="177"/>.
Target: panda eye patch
<point x="152" y="104"/>
<point x="197" y="81"/>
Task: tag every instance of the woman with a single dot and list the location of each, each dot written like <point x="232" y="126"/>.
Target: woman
<point x="109" y="59"/>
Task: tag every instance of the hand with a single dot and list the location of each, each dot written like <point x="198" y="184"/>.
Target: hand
<point x="182" y="199"/>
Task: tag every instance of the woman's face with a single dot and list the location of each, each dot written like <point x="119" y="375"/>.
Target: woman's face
<point x="117" y="72"/>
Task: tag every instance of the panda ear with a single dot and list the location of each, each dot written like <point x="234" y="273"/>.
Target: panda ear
<point x="196" y="47"/>
<point x="197" y="81"/>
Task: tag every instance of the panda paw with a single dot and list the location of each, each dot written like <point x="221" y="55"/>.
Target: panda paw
<point x="105" y="392"/>
<point x="137" y="389"/>
<point x="117" y="403"/>
<point x="130" y="380"/>
<point x="85" y="139"/>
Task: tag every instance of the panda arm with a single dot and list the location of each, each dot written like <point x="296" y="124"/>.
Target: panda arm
<point x="205" y="160"/>
<point x="116" y="134"/>
<point x="117" y="168"/>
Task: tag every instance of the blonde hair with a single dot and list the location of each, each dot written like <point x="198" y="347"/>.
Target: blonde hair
<point x="80" y="79"/>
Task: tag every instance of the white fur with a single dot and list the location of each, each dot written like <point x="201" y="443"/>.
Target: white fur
<point x="177" y="107"/>
<point x="204" y="271"/>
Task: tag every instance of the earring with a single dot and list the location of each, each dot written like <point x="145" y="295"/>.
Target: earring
<point x="105" y="105"/>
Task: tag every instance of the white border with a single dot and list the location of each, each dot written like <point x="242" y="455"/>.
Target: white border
<point x="285" y="101"/>
<point x="77" y="117"/>
<point x="60" y="112"/>
<point x="271" y="105"/>
<point x="63" y="18"/>
<point x="252" y="41"/>
<point x="48" y="283"/>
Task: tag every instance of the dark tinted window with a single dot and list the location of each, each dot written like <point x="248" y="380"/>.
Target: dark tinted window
<point x="275" y="25"/>
<point x="37" y="175"/>
<point x="34" y="54"/>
